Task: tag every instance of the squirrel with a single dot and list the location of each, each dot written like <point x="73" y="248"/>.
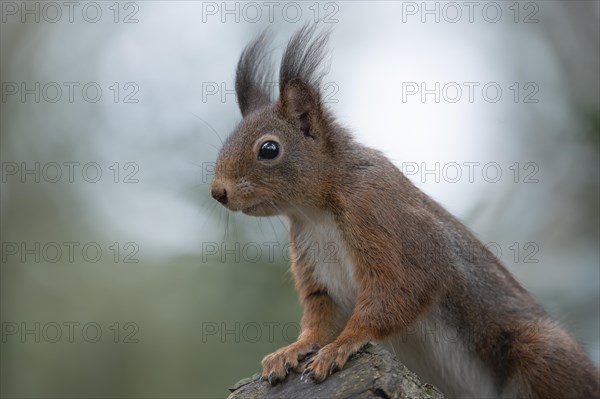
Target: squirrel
<point x="406" y="273"/>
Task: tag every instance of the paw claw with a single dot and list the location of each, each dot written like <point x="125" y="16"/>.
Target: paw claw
<point x="272" y="378"/>
<point x="307" y="373"/>
<point x="333" y="368"/>
<point x="279" y="364"/>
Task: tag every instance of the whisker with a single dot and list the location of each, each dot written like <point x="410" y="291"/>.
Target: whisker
<point x="195" y="164"/>
<point x="287" y="272"/>
<point x="209" y="126"/>
<point x="285" y="226"/>
<point x="225" y="238"/>
<point x="236" y="231"/>
<point x="274" y="233"/>
<point x="209" y="144"/>
<point x="260" y="227"/>
<point x="208" y="216"/>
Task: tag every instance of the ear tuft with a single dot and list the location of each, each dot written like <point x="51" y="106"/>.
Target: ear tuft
<point x="300" y="78"/>
<point x="303" y="58"/>
<point x="252" y="75"/>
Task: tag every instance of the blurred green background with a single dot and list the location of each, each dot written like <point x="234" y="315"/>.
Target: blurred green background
<point x="178" y="302"/>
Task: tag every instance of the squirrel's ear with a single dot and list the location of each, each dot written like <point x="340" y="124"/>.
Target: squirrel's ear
<point x="251" y="97"/>
<point x="300" y="77"/>
<point x="252" y="75"/>
<point x="299" y="103"/>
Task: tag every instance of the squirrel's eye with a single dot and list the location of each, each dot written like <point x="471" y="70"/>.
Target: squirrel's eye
<point x="268" y="150"/>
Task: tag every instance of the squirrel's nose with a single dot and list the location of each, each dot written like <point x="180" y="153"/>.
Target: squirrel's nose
<point x="220" y="194"/>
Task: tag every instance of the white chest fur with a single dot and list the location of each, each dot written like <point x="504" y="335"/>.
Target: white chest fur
<point x="318" y="236"/>
<point x="429" y="347"/>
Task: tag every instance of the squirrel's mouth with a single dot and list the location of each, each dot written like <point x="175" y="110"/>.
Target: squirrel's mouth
<point x="253" y="207"/>
<point x="262" y="208"/>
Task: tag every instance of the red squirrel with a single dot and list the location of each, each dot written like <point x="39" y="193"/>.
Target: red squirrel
<point x="406" y="272"/>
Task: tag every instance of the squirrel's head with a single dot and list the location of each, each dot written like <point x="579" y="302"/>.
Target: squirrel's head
<point x="277" y="158"/>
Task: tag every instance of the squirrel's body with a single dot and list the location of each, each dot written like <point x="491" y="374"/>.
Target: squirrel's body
<point x="425" y="346"/>
<point x="374" y="258"/>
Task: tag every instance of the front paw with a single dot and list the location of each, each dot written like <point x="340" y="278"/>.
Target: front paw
<point x="329" y="359"/>
<point x="278" y="364"/>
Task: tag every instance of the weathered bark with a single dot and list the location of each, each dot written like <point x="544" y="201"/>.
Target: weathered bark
<point x="372" y="373"/>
